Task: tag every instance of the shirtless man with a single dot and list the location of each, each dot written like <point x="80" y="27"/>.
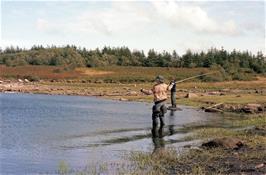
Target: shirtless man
<point x="159" y="92"/>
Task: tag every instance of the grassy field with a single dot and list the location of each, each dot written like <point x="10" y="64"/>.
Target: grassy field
<point x="104" y="74"/>
<point x="42" y="72"/>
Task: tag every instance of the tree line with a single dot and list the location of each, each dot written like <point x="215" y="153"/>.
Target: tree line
<point x="73" y="56"/>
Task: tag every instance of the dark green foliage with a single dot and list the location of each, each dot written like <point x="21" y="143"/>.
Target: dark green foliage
<point x="234" y="64"/>
<point x="42" y="56"/>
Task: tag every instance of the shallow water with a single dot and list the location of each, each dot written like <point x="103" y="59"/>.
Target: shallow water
<point x="38" y="131"/>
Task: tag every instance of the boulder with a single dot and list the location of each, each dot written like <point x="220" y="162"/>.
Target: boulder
<point x="191" y="95"/>
<point x="252" y="108"/>
<point x="225" y="142"/>
<point x="261" y="165"/>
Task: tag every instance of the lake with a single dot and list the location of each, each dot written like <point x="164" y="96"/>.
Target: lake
<point x="40" y="131"/>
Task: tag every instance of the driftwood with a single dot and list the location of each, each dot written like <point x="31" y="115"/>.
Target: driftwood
<point x="213" y="109"/>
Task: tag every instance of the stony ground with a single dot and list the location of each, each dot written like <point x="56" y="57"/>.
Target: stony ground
<point x="249" y="97"/>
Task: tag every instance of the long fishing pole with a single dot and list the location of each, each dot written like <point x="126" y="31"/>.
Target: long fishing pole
<point x="173" y="90"/>
<point x="196" y="76"/>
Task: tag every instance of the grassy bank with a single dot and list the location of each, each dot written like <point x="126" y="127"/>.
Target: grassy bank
<point x="249" y="159"/>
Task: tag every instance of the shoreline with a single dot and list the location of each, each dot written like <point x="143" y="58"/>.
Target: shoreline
<point x="243" y="100"/>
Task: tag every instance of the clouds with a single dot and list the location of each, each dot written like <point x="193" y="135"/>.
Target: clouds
<point x="42" y="24"/>
<point x="114" y="19"/>
<point x="117" y="18"/>
<point x="132" y="16"/>
<point x="193" y="17"/>
<point x="162" y="25"/>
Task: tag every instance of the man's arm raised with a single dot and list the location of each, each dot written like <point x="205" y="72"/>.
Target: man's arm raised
<point x="170" y="85"/>
<point x="147" y="92"/>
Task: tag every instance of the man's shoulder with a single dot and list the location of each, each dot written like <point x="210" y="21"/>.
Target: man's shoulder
<point x="160" y="85"/>
<point x="164" y="84"/>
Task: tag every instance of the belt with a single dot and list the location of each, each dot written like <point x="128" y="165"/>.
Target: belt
<point x="160" y="101"/>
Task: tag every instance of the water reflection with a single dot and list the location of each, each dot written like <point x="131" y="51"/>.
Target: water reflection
<point x="158" y="133"/>
<point x="157" y="139"/>
<point x="171" y="122"/>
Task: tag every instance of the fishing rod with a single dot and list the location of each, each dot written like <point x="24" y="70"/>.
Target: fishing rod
<point x="196" y="76"/>
<point x="173" y="90"/>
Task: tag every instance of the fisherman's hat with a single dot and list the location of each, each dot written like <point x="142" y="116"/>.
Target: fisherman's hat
<point x="159" y="78"/>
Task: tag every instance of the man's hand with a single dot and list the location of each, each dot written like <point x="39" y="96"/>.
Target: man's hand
<point x="172" y="82"/>
<point x="146" y="92"/>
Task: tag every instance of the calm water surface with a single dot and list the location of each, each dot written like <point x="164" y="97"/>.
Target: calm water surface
<point x="38" y="131"/>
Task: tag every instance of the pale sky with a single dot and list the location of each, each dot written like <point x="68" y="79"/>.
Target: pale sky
<point x="162" y="25"/>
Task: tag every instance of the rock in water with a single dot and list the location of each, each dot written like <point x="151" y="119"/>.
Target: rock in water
<point x="122" y="99"/>
<point x="225" y="142"/>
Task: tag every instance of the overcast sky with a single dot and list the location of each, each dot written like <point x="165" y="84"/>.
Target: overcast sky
<point x="162" y="25"/>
